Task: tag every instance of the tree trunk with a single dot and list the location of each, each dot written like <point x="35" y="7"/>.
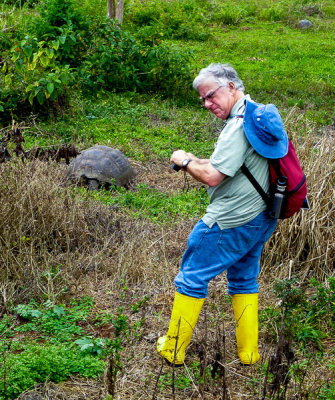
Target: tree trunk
<point x="111" y="9"/>
<point x="119" y="11"/>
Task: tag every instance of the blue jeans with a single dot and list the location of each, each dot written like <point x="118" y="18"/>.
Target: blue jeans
<point x="211" y="251"/>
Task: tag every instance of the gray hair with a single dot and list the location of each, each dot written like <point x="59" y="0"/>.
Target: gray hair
<point x="221" y="74"/>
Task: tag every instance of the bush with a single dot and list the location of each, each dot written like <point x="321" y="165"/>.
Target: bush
<point x="185" y="19"/>
<point x="233" y="14"/>
<point x="63" y="49"/>
<point x="118" y="61"/>
<point x="307" y="319"/>
<point x="32" y="75"/>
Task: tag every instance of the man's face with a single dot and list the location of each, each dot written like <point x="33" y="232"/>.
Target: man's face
<point x="218" y="100"/>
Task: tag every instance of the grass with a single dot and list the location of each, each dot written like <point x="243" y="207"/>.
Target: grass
<point x="158" y="207"/>
<point x="278" y="66"/>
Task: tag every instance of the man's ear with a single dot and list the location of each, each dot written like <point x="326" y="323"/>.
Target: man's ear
<point x="231" y="85"/>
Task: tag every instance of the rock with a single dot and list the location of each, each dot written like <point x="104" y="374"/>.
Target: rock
<point x="304" y="24"/>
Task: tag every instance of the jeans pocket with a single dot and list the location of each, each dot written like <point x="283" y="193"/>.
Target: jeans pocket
<point x="197" y="235"/>
<point x="241" y="239"/>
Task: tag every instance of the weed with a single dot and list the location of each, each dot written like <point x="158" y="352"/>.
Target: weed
<point x="305" y="319"/>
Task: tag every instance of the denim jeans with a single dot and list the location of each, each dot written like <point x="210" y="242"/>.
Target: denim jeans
<point x="211" y="251"/>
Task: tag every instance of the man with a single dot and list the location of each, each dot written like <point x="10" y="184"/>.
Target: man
<point x="231" y="235"/>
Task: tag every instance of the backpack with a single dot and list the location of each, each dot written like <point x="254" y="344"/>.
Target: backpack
<point x="288" y="187"/>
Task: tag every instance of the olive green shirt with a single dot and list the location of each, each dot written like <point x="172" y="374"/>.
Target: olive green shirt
<point x="235" y="201"/>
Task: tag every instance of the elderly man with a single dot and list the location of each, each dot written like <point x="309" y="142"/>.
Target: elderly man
<point x="231" y="235"/>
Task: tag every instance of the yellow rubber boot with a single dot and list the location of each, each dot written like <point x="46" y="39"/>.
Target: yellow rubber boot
<point x="245" y="308"/>
<point x="185" y="313"/>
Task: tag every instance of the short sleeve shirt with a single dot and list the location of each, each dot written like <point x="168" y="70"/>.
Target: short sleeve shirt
<point x="235" y="201"/>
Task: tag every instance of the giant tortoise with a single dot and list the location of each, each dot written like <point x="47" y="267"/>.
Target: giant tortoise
<point x="102" y="164"/>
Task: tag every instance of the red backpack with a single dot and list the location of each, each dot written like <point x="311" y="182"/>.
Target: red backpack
<point x="286" y="169"/>
<point x="288" y="187"/>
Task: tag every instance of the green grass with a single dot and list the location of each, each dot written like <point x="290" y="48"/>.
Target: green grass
<point x="279" y="64"/>
<point x="159" y="207"/>
<point x="144" y="127"/>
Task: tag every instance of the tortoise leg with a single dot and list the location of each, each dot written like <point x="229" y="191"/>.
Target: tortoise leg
<point x="93" y="184"/>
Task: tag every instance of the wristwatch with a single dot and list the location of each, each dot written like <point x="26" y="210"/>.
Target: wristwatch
<point x="185" y="163"/>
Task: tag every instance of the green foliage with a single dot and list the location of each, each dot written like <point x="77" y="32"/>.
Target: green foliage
<point x="28" y="311"/>
<point x="306" y="319"/>
<point x="21" y="3"/>
<point x="233" y="14"/>
<point x="56" y="323"/>
<point x="151" y="203"/>
<point x="91" y="345"/>
<point x="60" y="21"/>
<point x="60" y="346"/>
<point x="35" y="363"/>
<point x="266" y="55"/>
<point x="322" y="304"/>
<point x="184" y="19"/>
<point x="61" y="47"/>
<point x="327" y="392"/>
<point x="117" y="61"/>
<point x="32" y="74"/>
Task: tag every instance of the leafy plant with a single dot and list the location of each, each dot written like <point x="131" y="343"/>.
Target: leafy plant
<point x="28" y="311"/>
<point x="92" y="345"/>
<point x="34" y="363"/>
<point x="31" y="73"/>
<point x="306" y="319"/>
<point x="57" y="323"/>
<point x="118" y="61"/>
<point x="186" y="19"/>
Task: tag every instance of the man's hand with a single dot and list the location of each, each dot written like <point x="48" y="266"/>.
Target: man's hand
<point x="179" y="156"/>
<point x="201" y="169"/>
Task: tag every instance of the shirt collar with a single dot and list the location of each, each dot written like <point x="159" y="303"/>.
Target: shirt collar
<point x="239" y="105"/>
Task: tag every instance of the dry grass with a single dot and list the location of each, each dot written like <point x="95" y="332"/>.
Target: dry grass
<point x="50" y="239"/>
<point x="56" y="245"/>
<point x="305" y="244"/>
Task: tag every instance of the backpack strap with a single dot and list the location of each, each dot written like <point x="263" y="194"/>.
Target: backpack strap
<point x="276" y="165"/>
<point x="256" y="185"/>
<point x="252" y="179"/>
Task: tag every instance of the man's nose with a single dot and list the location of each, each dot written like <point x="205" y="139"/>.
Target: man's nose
<point x="208" y="103"/>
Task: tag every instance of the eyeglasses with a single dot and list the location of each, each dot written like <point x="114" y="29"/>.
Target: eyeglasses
<point x="210" y="95"/>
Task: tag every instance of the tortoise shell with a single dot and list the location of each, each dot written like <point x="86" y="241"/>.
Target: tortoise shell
<point x="102" y="164"/>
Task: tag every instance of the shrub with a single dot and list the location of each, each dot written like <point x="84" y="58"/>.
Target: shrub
<point x="63" y="48"/>
<point x="118" y="61"/>
<point x="32" y="74"/>
<point x="233" y="14"/>
<point x="185" y="19"/>
<point x="307" y="319"/>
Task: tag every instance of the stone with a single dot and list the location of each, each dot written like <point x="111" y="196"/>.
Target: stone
<point x="304" y="24"/>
